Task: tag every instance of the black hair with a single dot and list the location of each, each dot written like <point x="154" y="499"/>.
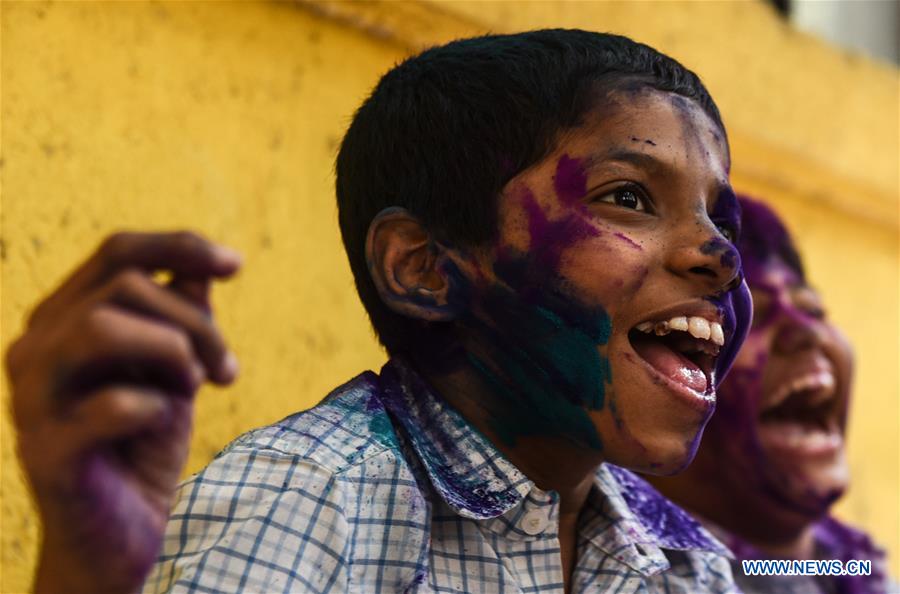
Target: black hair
<point x="443" y="132"/>
<point x="765" y="237"/>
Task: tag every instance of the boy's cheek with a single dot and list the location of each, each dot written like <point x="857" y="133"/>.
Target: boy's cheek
<point x="603" y="273"/>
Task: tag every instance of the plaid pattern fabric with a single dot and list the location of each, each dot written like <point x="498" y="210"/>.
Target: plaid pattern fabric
<point x="383" y="488"/>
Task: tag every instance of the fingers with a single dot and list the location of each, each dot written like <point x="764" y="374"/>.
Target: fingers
<point x="111" y="335"/>
<point x="133" y="290"/>
<point x="183" y="252"/>
<point x="116" y="412"/>
<point x="195" y="290"/>
<point x="105" y="346"/>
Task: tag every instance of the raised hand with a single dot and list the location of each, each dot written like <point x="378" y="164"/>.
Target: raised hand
<point x="103" y="380"/>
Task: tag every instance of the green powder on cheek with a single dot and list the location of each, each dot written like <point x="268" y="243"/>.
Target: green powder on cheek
<point x="552" y="374"/>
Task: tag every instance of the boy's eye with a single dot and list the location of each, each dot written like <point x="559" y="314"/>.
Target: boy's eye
<point x="807" y="301"/>
<point x="727" y="232"/>
<point x="762" y="307"/>
<point x="627" y="197"/>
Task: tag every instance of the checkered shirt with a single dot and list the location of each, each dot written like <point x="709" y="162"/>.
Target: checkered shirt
<point x="384" y="488"/>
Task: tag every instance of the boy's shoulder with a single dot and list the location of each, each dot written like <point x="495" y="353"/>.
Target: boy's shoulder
<point x="347" y="427"/>
<point x="289" y="506"/>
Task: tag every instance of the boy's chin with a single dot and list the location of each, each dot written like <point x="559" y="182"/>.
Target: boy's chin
<point x="660" y="456"/>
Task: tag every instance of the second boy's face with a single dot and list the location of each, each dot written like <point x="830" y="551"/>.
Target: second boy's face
<point x="611" y="298"/>
<point x="784" y="406"/>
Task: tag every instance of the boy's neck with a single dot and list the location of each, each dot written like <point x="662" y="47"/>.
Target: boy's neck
<point x="737" y="514"/>
<point x="551" y="462"/>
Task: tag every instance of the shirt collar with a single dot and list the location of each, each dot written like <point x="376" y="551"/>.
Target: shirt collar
<point x="633" y="523"/>
<point x="467" y="471"/>
<point x="478" y="482"/>
<point x="654" y="518"/>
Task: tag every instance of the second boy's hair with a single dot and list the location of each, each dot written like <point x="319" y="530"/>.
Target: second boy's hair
<point x="765" y="238"/>
<point x="443" y="132"/>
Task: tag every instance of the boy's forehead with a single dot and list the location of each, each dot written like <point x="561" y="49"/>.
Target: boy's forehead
<point x="649" y="117"/>
<point x="668" y="127"/>
<point x="773" y="273"/>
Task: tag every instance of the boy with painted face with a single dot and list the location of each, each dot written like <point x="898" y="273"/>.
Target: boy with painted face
<point x="516" y="211"/>
<point x="772" y="461"/>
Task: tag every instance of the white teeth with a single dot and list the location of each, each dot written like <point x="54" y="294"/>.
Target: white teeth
<point x="822" y="382"/>
<point x="698" y="327"/>
<point x="679" y="323"/>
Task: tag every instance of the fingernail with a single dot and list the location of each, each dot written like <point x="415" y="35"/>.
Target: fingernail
<point x="228" y="255"/>
<point x="229" y="368"/>
<point x="198" y="375"/>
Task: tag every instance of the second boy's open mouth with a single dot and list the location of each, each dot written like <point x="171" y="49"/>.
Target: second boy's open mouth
<point x="802" y="416"/>
<point x="682" y="349"/>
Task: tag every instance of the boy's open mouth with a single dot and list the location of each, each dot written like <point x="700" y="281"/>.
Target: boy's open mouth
<point x="801" y="417"/>
<point x="682" y="349"/>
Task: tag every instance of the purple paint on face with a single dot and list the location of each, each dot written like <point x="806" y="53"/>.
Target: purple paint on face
<point x="728" y="208"/>
<point x="736" y="308"/>
<point x="549" y="239"/>
<point x="647" y="141"/>
<point x="765" y="237"/>
<point x="570" y="181"/>
<point x="628" y="240"/>
<point x="728" y="257"/>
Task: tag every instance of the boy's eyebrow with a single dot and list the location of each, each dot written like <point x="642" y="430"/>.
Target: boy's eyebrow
<point x="638" y="158"/>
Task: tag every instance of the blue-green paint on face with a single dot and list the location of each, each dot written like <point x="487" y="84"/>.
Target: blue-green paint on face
<point x="540" y="357"/>
<point x="538" y="342"/>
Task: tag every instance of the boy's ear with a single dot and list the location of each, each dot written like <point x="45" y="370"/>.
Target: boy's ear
<point x="404" y="264"/>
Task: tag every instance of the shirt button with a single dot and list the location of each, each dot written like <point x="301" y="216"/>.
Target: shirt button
<point x="534" y="522"/>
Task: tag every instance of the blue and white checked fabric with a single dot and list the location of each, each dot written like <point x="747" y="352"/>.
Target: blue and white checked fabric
<point x="383" y="488"/>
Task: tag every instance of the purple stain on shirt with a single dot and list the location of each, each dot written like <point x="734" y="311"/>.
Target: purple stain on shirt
<point x="668" y="523"/>
<point x="406" y="395"/>
<point x="839" y="541"/>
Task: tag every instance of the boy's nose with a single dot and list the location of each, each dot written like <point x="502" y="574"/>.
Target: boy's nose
<point x="713" y="262"/>
<point x="797" y="333"/>
<point x="797" y="330"/>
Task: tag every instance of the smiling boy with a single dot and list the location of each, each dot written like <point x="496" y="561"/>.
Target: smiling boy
<point x="521" y="214"/>
<point x="780" y="425"/>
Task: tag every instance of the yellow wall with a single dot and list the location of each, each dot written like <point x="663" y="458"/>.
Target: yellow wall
<point x="225" y="117"/>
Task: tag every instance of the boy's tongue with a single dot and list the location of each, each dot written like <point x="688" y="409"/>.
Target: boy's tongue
<point x="671" y="364"/>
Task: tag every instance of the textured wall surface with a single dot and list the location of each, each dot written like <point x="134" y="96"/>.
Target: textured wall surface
<point x="225" y="117"/>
